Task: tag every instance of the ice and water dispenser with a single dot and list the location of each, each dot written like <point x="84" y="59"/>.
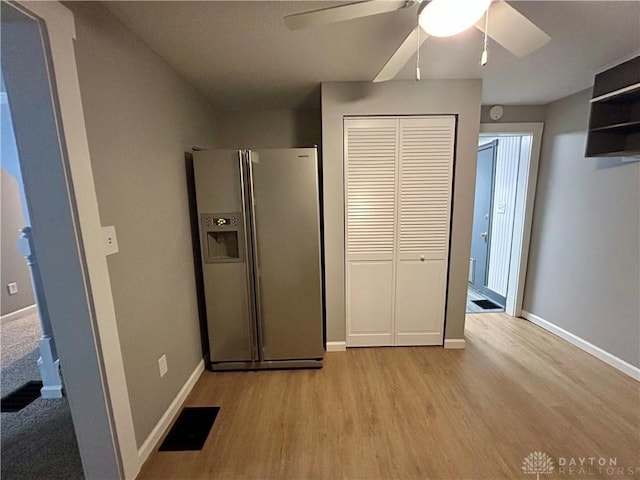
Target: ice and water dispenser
<point x="223" y="237"/>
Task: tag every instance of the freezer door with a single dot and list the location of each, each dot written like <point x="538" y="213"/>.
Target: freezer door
<point x="287" y="243"/>
<point x="226" y="259"/>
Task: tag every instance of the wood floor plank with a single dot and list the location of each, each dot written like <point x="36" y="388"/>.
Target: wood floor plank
<point x="418" y="413"/>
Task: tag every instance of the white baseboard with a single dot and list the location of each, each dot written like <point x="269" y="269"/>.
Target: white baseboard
<point x="615" y="362"/>
<point x="154" y="437"/>
<point x="336" y="346"/>
<point x="454" y="343"/>
<point x="23" y="312"/>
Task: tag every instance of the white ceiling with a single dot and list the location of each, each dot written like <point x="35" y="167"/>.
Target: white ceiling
<point x="241" y="55"/>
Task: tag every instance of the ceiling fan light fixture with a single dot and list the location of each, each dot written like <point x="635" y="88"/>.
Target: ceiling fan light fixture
<point x="445" y="18"/>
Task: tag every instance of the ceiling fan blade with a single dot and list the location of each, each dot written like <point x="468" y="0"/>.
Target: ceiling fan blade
<point x="512" y="30"/>
<point x="342" y="13"/>
<point x="401" y="56"/>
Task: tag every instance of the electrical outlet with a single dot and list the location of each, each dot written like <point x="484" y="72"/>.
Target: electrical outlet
<point x="162" y="365"/>
<point x="110" y="240"/>
<point x="13" y="288"/>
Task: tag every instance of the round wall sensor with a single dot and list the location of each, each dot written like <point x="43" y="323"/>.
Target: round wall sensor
<point x="496" y="112"/>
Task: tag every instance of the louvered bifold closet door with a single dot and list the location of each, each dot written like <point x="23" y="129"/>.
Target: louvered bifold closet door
<point x="371" y="147"/>
<point x="424" y="212"/>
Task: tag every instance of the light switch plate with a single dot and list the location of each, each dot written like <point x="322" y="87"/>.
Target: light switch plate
<point x="12" y="287"/>
<point x="110" y="240"/>
<point x="162" y="365"/>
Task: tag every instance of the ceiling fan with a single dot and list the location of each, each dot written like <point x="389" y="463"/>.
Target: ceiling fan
<point x="438" y="18"/>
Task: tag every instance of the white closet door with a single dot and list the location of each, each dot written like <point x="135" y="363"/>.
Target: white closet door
<point x="424" y="211"/>
<point x="371" y="147"/>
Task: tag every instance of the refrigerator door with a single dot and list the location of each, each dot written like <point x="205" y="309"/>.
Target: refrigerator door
<point x="222" y="198"/>
<point x="287" y="250"/>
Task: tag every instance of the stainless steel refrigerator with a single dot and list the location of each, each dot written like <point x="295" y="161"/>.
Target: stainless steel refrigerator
<point x="259" y="226"/>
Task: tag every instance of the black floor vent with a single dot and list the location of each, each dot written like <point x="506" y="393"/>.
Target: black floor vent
<point x="487" y="304"/>
<point x="191" y="429"/>
<point x="23" y="396"/>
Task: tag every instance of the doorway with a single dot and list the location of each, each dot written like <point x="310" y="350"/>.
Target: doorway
<point x="34" y="411"/>
<point x="482" y="225"/>
<point x="505" y="187"/>
<point x="47" y="116"/>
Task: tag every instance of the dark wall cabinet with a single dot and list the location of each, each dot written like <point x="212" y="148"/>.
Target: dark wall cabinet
<point x="614" y="124"/>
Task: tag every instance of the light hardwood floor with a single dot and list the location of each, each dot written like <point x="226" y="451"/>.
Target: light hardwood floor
<point x="418" y="413"/>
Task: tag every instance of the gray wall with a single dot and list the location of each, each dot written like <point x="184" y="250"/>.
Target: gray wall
<point x="515" y="114"/>
<point x="460" y="97"/>
<point x="140" y="118"/>
<point x="14" y="266"/>
<point x="584" y="261"/>
<point x="270" y="129"/>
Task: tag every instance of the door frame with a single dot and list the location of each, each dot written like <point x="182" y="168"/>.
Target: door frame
<point x="525" y="198"/>
<point x="94" y="354"/>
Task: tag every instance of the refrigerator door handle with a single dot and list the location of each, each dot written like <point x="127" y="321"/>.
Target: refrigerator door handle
<point x="255" y="260"/>
<point x="248" y="255"/>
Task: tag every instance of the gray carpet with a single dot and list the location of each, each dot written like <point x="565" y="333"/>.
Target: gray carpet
<point x="38" y="442"/>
